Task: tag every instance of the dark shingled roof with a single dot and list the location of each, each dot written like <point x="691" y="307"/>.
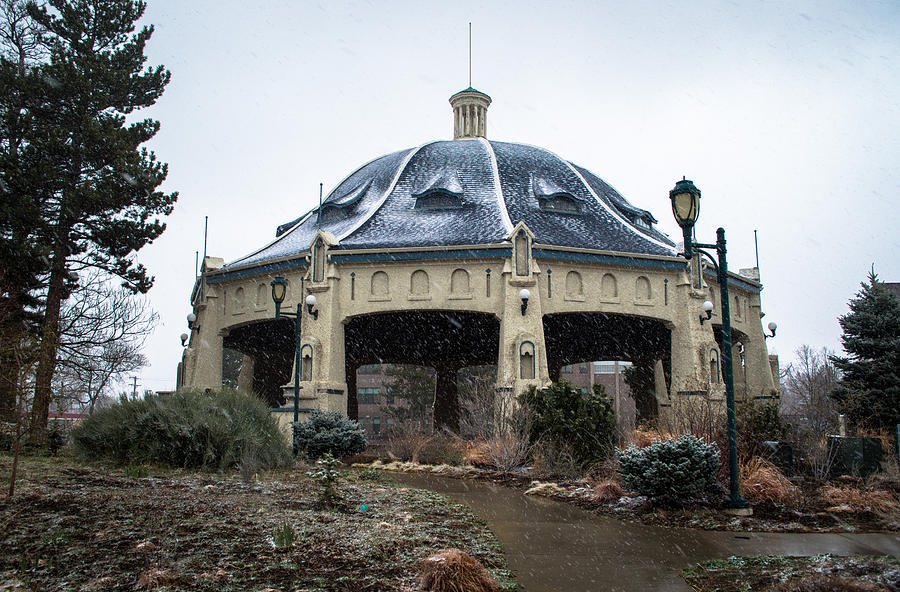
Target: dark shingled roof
<point x="471" y="192"/>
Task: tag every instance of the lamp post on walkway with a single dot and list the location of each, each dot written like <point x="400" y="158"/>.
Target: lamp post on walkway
<point x="685" y="199"/>
<point x="279" y="288"/>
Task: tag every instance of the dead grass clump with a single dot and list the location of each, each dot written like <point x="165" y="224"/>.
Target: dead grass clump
<point x="643" y="437"/>
<point x="607" y="492"/>
<point x="762" y="482"/>
<point x="453" y="570"/>
<point x="547" y="489"/>
<point x="858" y="500"/>
<point x="821" y="583"/>
<point x="154" y="578"/>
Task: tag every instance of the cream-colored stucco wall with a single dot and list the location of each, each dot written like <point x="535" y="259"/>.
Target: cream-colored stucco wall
<point x="643" y="286"/>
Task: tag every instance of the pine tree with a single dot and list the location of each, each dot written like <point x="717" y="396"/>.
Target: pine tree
<point x="97" y="187"/>
<point x="869" y="392"/>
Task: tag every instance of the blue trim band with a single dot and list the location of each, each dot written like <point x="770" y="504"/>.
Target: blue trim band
<point x="733" y="281"/>
<point x="375" y="256"/>
<point x="298" y="262"/>
<point x="544" y="253"/>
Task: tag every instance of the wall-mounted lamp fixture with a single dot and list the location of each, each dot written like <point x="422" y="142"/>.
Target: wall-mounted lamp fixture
<point x="772" y="326"/>
<point x="184" y="338"/>
<point x="524" y="294"/>
<point x="191" y="319"/>
<point x="707" y="309"/>
<point x="310" y="303"/>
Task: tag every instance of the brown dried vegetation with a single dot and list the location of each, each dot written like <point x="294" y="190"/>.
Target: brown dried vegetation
<point x="453" y="570"/>
<point x="763" y="483"/>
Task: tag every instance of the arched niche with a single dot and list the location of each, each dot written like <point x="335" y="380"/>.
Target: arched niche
<point x="419" y="284"/>
<point x="318" y="257"/>
<point x="527" y="366"/>
<point x="642" y="292"/>
<point x="262" y="294"/>
<point x="715" y="376"/>
<point x="306" y="362"/>
<point x="574" y="286"/>
<point x="523" y="256"/>
<point x="237" y="305"/>
<point x="609" y="287"/>
<point x="459" y="283"/>
<point x="380" y="287"/>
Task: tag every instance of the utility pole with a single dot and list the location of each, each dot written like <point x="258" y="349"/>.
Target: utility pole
<point x="134" y="391"/>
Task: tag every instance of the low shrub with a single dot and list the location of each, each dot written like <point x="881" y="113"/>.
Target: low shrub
<point x="329" y="432"/>
<point x="453" y="570"/>
<point x="405" y="445"/>
<point x="762" y="482"/>
<point x="184" y="429"/>
<point x="326" y="474"/>
<point x="442" y="449"/>
<point x="670" y="471"/>
<point x="562" y="417"/>
<point x="758" y="422"/>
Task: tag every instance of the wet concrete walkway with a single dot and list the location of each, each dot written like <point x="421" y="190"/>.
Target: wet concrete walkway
<point x="554" y="547"/>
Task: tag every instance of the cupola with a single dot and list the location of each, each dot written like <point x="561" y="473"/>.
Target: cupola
<point x="470" y="114"/>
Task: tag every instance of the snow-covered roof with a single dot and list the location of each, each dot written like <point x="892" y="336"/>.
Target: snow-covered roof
<point x="470" y="192"/>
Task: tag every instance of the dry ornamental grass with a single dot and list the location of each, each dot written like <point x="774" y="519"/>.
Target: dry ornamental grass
<point x="762" y="482"/>
<point x="453" y="570"/>
<point x="858" y="500"/>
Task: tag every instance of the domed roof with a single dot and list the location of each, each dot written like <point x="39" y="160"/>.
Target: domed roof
<point x="470" y="191"/>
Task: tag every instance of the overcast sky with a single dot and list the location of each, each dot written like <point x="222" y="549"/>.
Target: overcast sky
<point x="785" y="115"/>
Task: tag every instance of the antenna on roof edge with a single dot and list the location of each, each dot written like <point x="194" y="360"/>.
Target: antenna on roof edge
<point x="319" y="214"/>
<point x="756" y="246"/>
<point x="470" y="54"/>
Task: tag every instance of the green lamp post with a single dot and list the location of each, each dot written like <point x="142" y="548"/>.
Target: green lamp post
<point x="685" y="199"/>
<point x="279" y="289"/>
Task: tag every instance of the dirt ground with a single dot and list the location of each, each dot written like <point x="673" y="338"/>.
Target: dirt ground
<point x="76" y="527"/>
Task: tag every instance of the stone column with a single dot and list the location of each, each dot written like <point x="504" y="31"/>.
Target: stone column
<point x="516" y="329"/>
<point x="446" y="397"/>
<point x="204" y="358"/>
<point x="760" y="382"/>
<point x="245" y="378"/>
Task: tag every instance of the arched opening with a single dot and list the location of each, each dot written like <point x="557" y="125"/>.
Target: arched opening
<point x="581" y="338"/>
<point x="442" y="340"/>
<point x="270" y="346"/>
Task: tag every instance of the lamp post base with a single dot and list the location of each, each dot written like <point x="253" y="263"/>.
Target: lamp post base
<point x="740" y="508"/>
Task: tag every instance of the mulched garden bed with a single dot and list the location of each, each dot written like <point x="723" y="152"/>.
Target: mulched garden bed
<point x="75" y="527"/>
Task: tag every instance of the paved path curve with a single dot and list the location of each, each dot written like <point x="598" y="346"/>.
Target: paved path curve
<point x="556" y="547"/>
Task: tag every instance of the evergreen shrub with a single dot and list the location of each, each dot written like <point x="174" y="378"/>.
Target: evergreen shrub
<point x="329" y="432"/>
<point x="565" y="419"/>
<point x="670" y="471"/>
<point x="212" y="430"/>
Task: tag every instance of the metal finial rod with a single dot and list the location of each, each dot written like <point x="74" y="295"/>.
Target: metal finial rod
<point x="470" y="54"/>
<point x="756" y="246"/>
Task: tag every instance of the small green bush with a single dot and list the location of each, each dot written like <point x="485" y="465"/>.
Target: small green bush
<point x="564" y="418"/>
<point x="186" y="429"/>
<point x="327" y="474"/>
<point x="758" y="422"/>
<point x="670" y="471"/>
<point x="329" y="432"/>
